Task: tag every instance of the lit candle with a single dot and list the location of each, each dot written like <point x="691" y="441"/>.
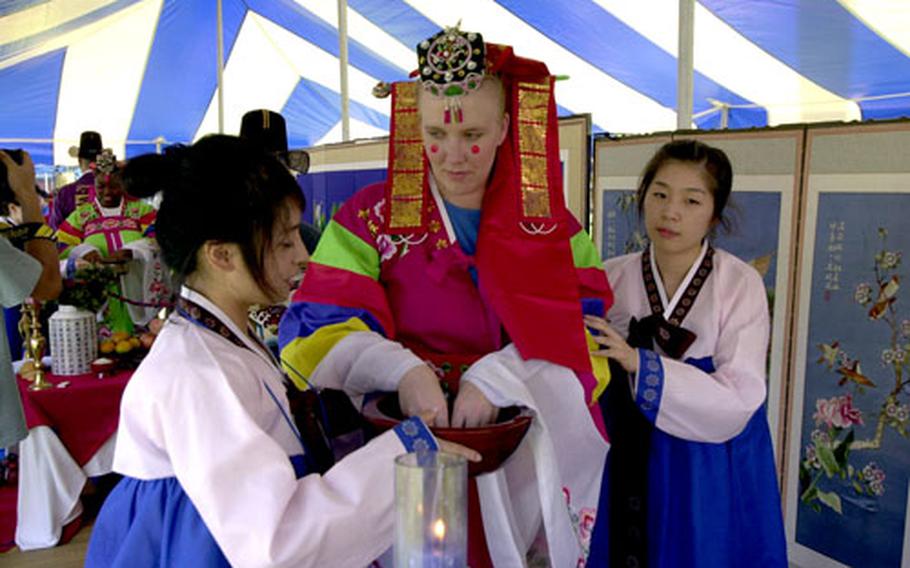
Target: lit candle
<point x="437" y="544"/>
<point x="439" y="529"/>
<point x="431" y="510"/>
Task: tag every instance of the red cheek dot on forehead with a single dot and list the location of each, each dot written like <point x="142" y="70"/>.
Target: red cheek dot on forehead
<point x="434" y="148"/>
<point x="475" y="149"/>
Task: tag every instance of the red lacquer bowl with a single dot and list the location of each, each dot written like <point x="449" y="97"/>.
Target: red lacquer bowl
<point x="103" y="365"/>
<point x="495" y="442"/>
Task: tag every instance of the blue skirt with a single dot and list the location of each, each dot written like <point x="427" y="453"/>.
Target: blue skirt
<point x="154" y="523"/>
<point x="151" y="523"/>
<point x="707" y="504"/>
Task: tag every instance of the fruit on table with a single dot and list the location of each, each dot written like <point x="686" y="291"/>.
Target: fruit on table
<point x="146" y="339"/>
<point x="119" y="336"/>
<point x="122" y="343"/>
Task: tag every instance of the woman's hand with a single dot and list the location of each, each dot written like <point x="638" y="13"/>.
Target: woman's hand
<point x="451" y="447"/>
<point x="118" y="256"/>
<point x="91" y="257"/>
<point x="472" y="408"/>
<point x="458" y="450"/>
<point x="613" y="345"/>
<point x="419" y="393"/>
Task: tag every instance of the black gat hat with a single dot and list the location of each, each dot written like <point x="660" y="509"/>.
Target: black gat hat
<point x="268" y="130"/>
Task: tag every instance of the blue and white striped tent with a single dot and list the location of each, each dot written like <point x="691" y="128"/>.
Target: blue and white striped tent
<point x="145" y="70"/>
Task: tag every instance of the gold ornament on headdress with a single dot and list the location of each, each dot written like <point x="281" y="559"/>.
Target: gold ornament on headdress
<point x="406" y="171"/>
<point x="533" y="106"/>
<point x="382" y="90"/>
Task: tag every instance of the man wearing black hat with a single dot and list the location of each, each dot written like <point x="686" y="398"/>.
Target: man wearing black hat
<point x="267" y="129"/>
<point x="82" y="190"/>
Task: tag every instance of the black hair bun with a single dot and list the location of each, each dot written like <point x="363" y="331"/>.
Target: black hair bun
<point x="146" y="175"/>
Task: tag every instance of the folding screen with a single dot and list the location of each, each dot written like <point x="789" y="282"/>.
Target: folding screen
<point x="575" y="154"/>
<point x="337" y="171"/>
<point x="848" y="463"/>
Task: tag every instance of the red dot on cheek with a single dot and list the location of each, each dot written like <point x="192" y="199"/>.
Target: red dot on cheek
<point x="475" y="149"/>
<point x="434" y="148"/>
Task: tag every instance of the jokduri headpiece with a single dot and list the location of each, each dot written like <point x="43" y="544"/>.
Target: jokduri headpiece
<point x="105" y="164"/>
<point x="524" y="258"/>
<point x="451" y="65"/>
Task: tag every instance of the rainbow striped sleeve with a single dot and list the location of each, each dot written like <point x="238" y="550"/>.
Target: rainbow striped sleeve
<point x="69" y="234"/>
<point x="147" y="215"/>
<point x="594" y="289"/>
<point x="596" y="299"/>
<point x="340" y="294"/>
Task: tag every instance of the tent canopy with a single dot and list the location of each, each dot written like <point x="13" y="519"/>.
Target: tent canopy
<point x="141" y="71"/>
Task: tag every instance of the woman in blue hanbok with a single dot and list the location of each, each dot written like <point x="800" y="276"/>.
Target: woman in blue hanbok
<point x="690" y="478"/>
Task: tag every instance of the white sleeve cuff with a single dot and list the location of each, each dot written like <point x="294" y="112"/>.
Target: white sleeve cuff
<point x="365" y="361"/>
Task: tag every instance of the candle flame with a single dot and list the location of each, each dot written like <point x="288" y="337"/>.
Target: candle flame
<point x="439" y="529"/>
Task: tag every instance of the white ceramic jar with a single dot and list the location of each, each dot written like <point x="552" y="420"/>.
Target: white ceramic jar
<point x="73" y="341"/>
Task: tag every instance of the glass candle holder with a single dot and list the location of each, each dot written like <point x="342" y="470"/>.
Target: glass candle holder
<point x="431" y="516"/>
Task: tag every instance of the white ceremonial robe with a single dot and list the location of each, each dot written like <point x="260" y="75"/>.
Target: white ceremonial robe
<point x="553" y="478"/>
<point x="197" y="409"/>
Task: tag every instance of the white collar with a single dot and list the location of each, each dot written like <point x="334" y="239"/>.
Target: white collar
<point x="443" y="212"/>
<point x="243" y="335"/>
<point x="110" y="211"/>
<point x="681" y="289"/>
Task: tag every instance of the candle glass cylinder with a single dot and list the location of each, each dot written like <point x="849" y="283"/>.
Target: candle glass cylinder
<point x="431" y="516"/>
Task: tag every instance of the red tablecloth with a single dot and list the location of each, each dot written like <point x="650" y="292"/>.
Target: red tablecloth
<point x="84" y="414"/>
